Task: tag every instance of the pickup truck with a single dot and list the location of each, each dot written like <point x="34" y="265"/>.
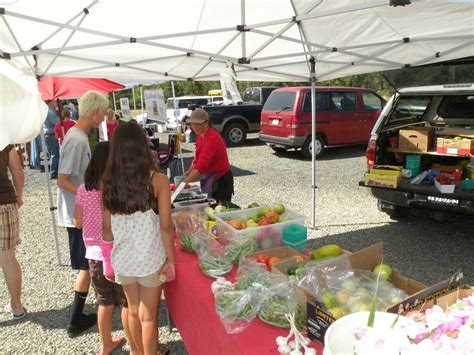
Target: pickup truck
<point x="445" y="113"/>
<point x="233" y="122"/>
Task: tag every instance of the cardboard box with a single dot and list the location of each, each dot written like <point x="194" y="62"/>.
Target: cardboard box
<point x="386" y="170"/>
<point x="379" y="180"/>
<point x="416" y="139"/>
<point x="283" y="253"/>
<point x="452" y="297"/>
<point x="453" y="131"/>
<point x="319" y="320"/>
<point x="428" y="296"/>
<point x="462" y="147"/>
<point x="444" y="188"/>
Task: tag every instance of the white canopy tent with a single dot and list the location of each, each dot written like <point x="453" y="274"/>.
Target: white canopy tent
<point x="267" y="40"/>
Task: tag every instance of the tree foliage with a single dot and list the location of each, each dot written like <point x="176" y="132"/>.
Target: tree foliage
<point x="376" y="81"/>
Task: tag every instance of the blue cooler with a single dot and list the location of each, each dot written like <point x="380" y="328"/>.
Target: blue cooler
<point x="295" y="236"/>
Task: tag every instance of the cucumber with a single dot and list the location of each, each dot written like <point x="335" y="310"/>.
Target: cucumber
<point x="329" y="250"/>
<point x="292" y="270"/>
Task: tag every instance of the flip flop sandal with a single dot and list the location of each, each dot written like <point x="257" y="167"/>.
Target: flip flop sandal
<point x="8" y="309"/>
<point x="119" y="342"/>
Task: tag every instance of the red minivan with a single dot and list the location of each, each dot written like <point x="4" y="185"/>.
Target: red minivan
<point x="344" y="115"/>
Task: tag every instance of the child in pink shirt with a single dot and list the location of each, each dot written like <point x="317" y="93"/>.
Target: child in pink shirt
<point x="88" y="215"/>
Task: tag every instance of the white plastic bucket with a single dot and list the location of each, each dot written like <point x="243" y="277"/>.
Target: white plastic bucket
<point x="340" y="336"/>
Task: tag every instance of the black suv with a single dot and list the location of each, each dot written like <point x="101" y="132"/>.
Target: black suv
<point x="446" y="108"/>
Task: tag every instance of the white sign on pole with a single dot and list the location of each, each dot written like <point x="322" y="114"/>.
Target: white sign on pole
<point x="155" y="105"/>
<point x="124" y="107"/>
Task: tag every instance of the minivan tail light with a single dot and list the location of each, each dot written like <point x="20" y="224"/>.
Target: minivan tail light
<point x="370" y="152"/>
<point x="295" y="121"/>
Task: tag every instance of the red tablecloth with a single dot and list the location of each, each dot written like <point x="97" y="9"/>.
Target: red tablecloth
<point x="191" y="304"/>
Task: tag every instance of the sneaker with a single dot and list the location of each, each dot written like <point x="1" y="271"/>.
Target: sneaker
<point x="87" y="321"/>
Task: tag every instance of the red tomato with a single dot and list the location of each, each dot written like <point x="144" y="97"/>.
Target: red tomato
<point x="272" y="216"/>
<point x="273" y="260"/>
<point x="299" y="258"/>
<point x="264" y="222"/>
<point x="262" y="258"/>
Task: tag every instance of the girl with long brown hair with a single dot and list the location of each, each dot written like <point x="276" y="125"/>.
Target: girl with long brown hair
<point x="137" y="231"/>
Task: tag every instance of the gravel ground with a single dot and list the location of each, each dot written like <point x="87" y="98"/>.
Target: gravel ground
<point x="345" y="214"/>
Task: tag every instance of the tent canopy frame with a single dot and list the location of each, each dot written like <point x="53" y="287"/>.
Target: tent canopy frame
<point x="217" y="56"/>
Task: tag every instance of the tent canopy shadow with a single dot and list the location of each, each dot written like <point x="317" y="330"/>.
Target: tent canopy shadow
<point x="417" y="250"/>
<point x="332" y="153"/>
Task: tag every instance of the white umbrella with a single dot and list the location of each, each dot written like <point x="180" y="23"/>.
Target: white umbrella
<point x="22" y="112"/>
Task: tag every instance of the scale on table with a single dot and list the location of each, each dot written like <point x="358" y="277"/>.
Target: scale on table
<point x="188" y="197"/>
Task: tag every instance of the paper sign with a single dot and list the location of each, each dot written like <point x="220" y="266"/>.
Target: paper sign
<point x="155" y="105"/>
<point x="124" y="107"/>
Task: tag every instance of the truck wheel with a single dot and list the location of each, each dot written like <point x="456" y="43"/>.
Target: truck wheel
<point x="235" y="134"/>
<point x="320" y="147"/>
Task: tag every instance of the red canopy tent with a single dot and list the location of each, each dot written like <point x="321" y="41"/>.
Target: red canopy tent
<point x="58" y="87"/>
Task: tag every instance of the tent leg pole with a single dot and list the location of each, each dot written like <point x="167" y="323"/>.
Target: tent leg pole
<point x="142" y="110"/>
<point x="242" y="20"/>
<point x="313" y="141"/>
<point x="45" y="162"/>
<point x="113" y="97"/>
<point x="134" y="102"/>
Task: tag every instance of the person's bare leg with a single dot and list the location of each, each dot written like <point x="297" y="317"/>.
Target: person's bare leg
<point x="126" y="328"/>
<point x="150" y="298"/>
<point x="132" y="292"/>
<point x="12" y="272"/>
<point x="83" y="281"/>
<point x="104" y="323"/>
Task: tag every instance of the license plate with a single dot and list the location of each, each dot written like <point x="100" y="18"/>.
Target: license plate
<point x="443" y="200"/>
<point x="275" y="122"/>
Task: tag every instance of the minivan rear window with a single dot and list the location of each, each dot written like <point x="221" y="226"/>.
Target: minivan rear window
<point x="280" y="101"/>
<point x="457" y="106"/>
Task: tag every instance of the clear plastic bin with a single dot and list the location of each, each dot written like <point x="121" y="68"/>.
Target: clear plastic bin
<point x="269" y="236"/>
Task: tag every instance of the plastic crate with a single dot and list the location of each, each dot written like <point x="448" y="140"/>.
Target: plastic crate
<point x="300" y="246"/>
<point x="269" y="236"/>
<point x="295" y="236"/>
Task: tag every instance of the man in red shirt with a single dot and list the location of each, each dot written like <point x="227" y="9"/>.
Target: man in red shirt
<point x="211" y="164"/>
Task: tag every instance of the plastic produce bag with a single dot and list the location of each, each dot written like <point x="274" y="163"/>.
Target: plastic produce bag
<point x="237" y="309"/>
<point x="212" y="260"/>
<point x="279" y="300"/>
<point x="187" y="223"/>
<point x="248" y="272"/>
<point x="311" y="276"/>
<point x="238" y="248"/>
<point x="351" y="291"/>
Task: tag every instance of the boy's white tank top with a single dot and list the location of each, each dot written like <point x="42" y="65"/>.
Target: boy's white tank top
<point x="138" y="247"/>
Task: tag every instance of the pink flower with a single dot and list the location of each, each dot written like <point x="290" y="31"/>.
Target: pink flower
<point x="452" y="324"/>
<point x="435" y="316"/>
<point x="418" y="338"/>
<point x="469" y="300"/>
